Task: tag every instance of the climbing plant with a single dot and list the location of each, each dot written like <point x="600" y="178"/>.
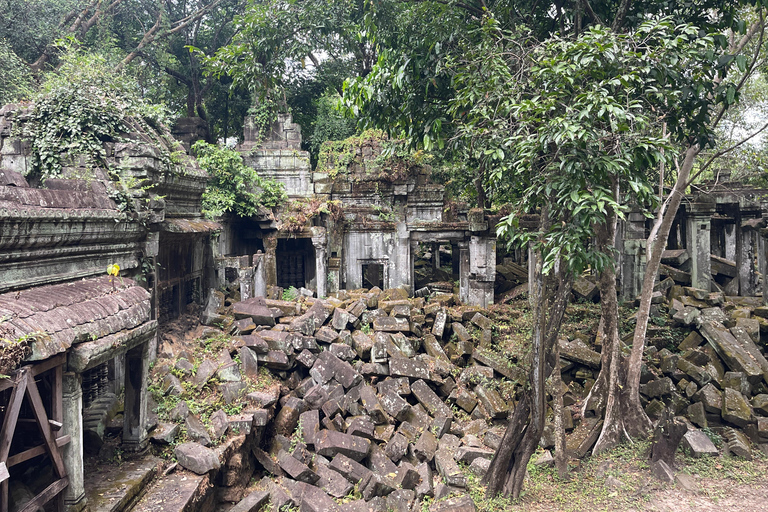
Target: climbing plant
<point x="234" y="187"/>
<point x="80" y="106"/>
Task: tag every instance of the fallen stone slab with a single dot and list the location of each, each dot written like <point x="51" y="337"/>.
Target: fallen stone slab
<point x="256" y="309"/>
<point x="373" y="485"/>
<point x="455" y="504"/>
<point x="425" y="447"/>
<point x="251" y="503"/>
<point x="178" y="491"/>
<point x="730" y="350"/>
<point x="407" y="476"/>
<point x="348" y="468"/>
<point x="578" y="352"/>
<point x="499" y="364"/>
<point x="735" y="408"/>
<point x="116" y="487"/>
<point x="196" y="431"/>
<point x="165" y="433"/>
<point x="738" y="443"/>
<point x="429" y="399"/>
<point x="333" y="482"/>
<point x="312" y="499"/>
<point x="329" y="444"/>
<point x="494" y="405"/>
<point x="379" y="463"/>
<point x="361" y="427"/>
<point x="438" y="328"/>
<point x="295" y="468"/>
<point x="402" y="367"/>
<point x="395" y="405"/>
<point x="372" y="406"/>
<point x="196" y="458"/>
<point x="256" y="343"/>
<point x="400" y="500"/>
<point x="468" y="454"/>
<point x="699" y="444"/>
<point x="288" y="417"/>
<point x="391" y="324"/>
<point x="266" y="461"/>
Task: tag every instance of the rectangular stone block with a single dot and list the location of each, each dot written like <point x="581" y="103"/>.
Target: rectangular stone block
<point x="430" y="400"/>
<point x="329" y="444"/>
<point x="402" y="367"/>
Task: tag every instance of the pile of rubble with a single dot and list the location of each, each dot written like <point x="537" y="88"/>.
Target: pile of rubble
<point x="382" y="396"/>
<point x="390" y="399"/>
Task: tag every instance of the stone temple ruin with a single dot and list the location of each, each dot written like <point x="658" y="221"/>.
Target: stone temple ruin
<point x="377" y="376"/>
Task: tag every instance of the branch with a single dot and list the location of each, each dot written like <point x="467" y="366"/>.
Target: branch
<point x="588" y="10"/>
<point x="620" y="14"/>
<point x="723" y="152"/>
<point x="737" y="49"/>
<point x="98" y="14"/>
<point x="147" y="39"/>
<point x="152" y="35"/>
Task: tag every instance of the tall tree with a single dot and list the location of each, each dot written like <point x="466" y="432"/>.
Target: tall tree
<point x="568" y="127"/>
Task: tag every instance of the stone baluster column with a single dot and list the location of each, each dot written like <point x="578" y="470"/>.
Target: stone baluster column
<point x="698" y="229"/>
<point x="72" y="408"/>
<point x="764" y="262"/>
<point x="320" y="242"/>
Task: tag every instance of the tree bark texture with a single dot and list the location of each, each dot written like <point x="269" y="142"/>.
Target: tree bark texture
<point x="637" y="422"/>
<point x="549" y="296"/>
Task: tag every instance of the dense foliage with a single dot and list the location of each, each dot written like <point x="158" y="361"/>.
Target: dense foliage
<point x="234" y="188"/>
<point x="79" y="107"/>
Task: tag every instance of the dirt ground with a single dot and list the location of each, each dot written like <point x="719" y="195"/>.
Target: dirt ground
<point x="621" y="481"/>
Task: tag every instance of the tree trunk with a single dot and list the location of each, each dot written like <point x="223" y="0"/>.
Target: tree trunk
<point x="637" y="422"/>
<point x="524" y="430"/>
<point x="561" y="458"/>
<point x="609" y="383"/>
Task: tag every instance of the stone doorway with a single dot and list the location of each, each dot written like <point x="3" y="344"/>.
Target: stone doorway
<point x="295" y="262"/>
<point x="436" y="262"/>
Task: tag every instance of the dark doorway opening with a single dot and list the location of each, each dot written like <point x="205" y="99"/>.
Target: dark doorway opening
<point x="295" y="262"/>
<point x="373" y="275"/>
<point x="436" y="264"/>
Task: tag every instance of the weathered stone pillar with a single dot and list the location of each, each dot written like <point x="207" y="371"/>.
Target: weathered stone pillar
<point x="454" y="259"/>
<point x="698" y="243"/>
<point x="320" y="242"/>
<point x="745" y="257"/>
<point x="72" y="408"/>
<point x="334" y="275"/>
<point x="435" y="256"/>
<point x="482" y="271"/>
<point x="413" y="247"/>
<point x="135" y="413"/>
<point x="245" y="276"/>
<point x="270" y="259"/>
<point x="729" y="235"/>
<point x="764" y="263"/>
<point x="259" y="275"/>
<point x="151" y="250"/>
<point x="464" y="271"/>
<point x="633" y="258"/>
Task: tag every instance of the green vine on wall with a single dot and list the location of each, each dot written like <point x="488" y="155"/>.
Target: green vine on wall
<point x="234" y="187"/>
<point x="390" y="160"/>
<point x="80" y="107"/>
